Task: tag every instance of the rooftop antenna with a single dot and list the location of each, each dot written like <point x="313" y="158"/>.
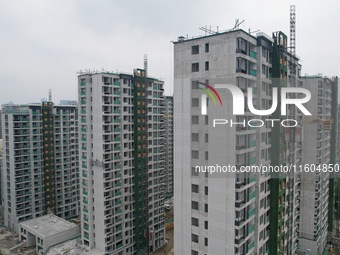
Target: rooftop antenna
<point x="146" y="64"/>
<point x="255" y="31"/>
<point x="208" y="31"/>
<point x="237" y="23"/>
<point x="50" y="95"/>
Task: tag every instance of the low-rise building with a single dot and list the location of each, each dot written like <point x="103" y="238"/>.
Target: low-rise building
<point x="47" y="231"/>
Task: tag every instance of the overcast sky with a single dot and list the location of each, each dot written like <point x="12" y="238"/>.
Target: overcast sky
<point x="44" y="43"/>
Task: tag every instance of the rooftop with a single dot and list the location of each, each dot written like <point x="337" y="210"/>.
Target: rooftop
<point x="47" y="225"/>
<point x="181" y="39"/>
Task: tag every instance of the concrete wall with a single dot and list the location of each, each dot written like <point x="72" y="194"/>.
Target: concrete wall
<point x="50" y="241"/>
<point x="221" y="147"/>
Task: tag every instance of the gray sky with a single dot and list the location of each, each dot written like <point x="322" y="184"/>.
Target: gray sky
<point x="44" y="42"/>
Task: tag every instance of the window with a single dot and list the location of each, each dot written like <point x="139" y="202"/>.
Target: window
<point x="261" y="235"/>
<point x="205" y="241"/>
<point x="207" y="65"/>
<point x="206" y="155"/>
<point x="242" y="83"/>
<point x="262" y="187"/>
<point x="206" y="190"/>
<point x="194" y="205"/>
<point x="194" y="137"/>
<point x="195" y="85"/>
<point x="194" y="172"/>
<point x="195" y="67"/>
<point x="195" y="50"/>
<point x="194" y="222"/>
<point x="193" y="252"/>
<point x="194" y="154"/>
<point x="205" y="224"/>
<point x="195" y="102"/>
<point x="194" y="119"/>
<point x="205" y="207"/>
<point x="241" y="65"/>
<point x="194" y="238"/>
<point x="206" y="138"/>
<point x="194" y="188"/>
<point x="206" y="120"/>
<point x="241" y="46"/>
<point x="207" y="47"/>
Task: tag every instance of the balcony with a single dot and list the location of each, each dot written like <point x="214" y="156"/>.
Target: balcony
<point x="239" y="202"/>
<point x="251" y="212"/>
<point x="252" y="161"/>
<point x="251" y="229"/>
<point x="250" y="246"/>
<point x="240" y="147"/>
<point x="239" y="221"/>
<point x="253" y="54"/>
<point x="252" y="144"/>
<point x="239" y="239"/>
<point x="253" y="72"/>
<point x="251" y="195"/>
<point x="239" y="184"/>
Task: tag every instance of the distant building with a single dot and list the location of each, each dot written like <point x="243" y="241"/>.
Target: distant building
<point x="318" y="148"/>
<point x="122" y="162"/>
<point x="169" y="145"/>
<point x="47" y="231"/>
<point x="68" y="102"/>
<point x="338" y="137"/>
<point x="1" y="147"/>
<point x="1" y="191"/>
<point x="0" y="126"/>
<point x="41" y="161"/>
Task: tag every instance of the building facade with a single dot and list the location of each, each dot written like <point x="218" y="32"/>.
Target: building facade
<point x="233" y="213"/>
<point x="122" y="162"/>
<point x="40" y="162"/>
<point x="318" y="141"/>
<point x="1" y="187"/>
<point x="169" y="145"/>
<point x="0" y="127"/>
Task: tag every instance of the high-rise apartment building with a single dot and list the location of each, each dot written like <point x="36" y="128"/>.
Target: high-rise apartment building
<point x="338" y="137"/>
<point x="1" y="185"/>
<point x="236" y="212"/>
<point x="40" y="162"/>
<point x="318" y="152"/>
<point x="122" y="162"/>
<point x="1" y="169"/>
<point x="0" y="127"/>
<point x="169" y="145"/>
